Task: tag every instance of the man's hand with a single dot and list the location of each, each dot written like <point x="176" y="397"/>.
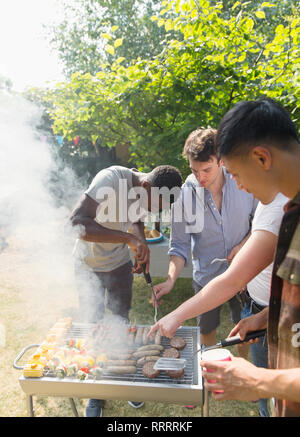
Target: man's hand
<point x="238" y="379"/>
<point x="141" y="253"/>
<point x="163" y="288"/>
<point x="255" y="322"/>
<point x="167" y="326"/>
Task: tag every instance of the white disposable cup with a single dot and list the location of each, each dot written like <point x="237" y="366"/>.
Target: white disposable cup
<point x="216" y="355"/>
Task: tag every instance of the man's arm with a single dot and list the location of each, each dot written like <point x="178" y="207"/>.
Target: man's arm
<point x="255" y="255"/>
<point x="84" y="215"/>
<point x="138" y="230"/>
<point x="257" y="382"/>
<point x="176" y="265"/>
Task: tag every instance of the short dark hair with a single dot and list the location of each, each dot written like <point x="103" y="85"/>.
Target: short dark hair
<point x="165" y="176"/>
<point x="250" y="123"/>
<point x="200" y="145"/>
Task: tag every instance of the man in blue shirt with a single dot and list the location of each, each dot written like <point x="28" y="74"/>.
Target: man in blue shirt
<point x="225" y="213"/>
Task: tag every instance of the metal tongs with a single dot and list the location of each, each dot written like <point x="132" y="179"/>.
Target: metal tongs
<point x="180" y="363"/>
<point x="149" y="282"/>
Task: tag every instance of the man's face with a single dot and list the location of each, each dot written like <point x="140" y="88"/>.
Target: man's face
<point x="205" y="172"/>
<point x="253" y="173"/>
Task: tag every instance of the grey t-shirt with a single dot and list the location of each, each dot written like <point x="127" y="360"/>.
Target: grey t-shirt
<point x="110" y="189"/>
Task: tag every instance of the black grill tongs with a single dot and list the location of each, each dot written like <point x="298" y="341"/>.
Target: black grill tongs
<point x="149" y="282"/>
<point x="179" y="363"/>
<point x="234" y="340"/>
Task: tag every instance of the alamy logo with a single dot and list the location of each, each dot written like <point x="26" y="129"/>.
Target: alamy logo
<point x="296" y="337"/>
<point x="137" y="204"/>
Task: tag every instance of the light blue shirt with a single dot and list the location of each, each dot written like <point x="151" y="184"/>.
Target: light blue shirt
<point x="220" y="233"/>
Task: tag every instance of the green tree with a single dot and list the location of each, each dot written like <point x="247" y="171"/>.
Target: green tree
<point x="219" y="59"/>
<point x="93" y="32"/>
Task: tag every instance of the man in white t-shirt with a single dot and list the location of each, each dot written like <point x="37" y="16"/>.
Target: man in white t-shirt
<point x="251" y="265"/>
<point x="116" y="199"/>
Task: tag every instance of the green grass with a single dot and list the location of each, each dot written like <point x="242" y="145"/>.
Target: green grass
<point x="27" y="318"/>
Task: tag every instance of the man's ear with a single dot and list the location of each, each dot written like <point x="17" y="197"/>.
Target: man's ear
<point x="263" y="156"/>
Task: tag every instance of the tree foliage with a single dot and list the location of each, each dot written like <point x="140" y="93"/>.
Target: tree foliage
<point x="93" y="32"/>
<point x="220" y="57"/>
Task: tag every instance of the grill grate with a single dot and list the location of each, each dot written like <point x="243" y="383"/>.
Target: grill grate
<point x="190" y="376"/>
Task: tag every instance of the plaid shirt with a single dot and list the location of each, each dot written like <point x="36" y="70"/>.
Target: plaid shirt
<point x="284" y="308"/>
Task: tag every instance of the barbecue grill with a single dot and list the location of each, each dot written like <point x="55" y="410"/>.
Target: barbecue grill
<point x="187" y="389"/>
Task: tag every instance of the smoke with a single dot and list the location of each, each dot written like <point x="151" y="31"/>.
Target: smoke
<point x="36" y="241"/>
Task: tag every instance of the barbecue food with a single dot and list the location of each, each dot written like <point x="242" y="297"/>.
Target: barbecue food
<point x="145" y="335"/>
<point x="120" y="363"/>
<point x="97" y="372"/>
<point x="175" y="373"/>
<point x="145" y="353"/>
<point x="144" y="360"/>
<point x="158" y="347"/>
<point x="139" y="336"/>
<point x="72" y="369"/>
<point x="178" y="343"/>
<point x="157" y="339"/>
<point x="82" y="375"/>
<point x="120" y="370"/>
<point x="155" y="233"/>
<point x="171" y="353"/>
<point x="61" y="371"/>
<point x="33" y="370"/>
<point x="149" y="371"/>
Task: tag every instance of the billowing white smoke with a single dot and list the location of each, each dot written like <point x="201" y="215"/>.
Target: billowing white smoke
<point x="35" y="242"/>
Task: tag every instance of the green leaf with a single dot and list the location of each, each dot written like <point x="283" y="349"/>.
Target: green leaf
<point x="110" y="49"/>
<point x="118" y="42"/>
<point x="235" y="5"/>
<point x="260" y="14"/>
<point x="106" y="36"/>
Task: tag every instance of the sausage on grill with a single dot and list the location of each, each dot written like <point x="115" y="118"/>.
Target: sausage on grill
<point x="120" y="363"/>
<point x="145" y="353"/>
<point x="144" y="360"/>
<point x="158" y="347"/>
<point x="121" y="369"/>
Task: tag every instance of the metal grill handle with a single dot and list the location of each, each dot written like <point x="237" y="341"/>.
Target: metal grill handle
<point x="19" y="356"/>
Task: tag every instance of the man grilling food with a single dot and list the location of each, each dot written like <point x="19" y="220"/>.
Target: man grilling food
<point x="116" y="200"/>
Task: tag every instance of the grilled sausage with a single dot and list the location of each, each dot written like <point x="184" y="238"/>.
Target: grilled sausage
<point x="120" y="363"/>
<point x="118" y="356"/>
<point x="144" y="360"/>
<point x="158" y="347"/>
<point x="145" y="335"/>
<point x="139" y="336"/>
<point x="131" y="338"/>
<point x="120" y="370"/>
<point x="145" y="353"/>
<point x="157" y="339"/>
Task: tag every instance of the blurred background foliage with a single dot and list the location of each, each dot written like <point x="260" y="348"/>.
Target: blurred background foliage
<point x="141" y="75"/>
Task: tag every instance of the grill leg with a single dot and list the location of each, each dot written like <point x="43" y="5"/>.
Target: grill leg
<point x="29" y="403"/>
<point x="206" y="402"/>
<point x="73" y="406"/>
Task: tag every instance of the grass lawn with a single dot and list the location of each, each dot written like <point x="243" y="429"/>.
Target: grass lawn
<point x="29" y="306"/>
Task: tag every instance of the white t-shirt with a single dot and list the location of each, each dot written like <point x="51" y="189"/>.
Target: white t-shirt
<point x="266" y="218"/>
<point x="109" y="188"/>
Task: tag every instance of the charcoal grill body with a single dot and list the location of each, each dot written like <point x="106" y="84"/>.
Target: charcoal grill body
<point x="187" y="389"/>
